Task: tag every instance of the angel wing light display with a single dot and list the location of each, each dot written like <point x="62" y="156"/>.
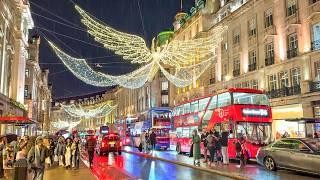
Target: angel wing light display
<point x="177" y="54"/>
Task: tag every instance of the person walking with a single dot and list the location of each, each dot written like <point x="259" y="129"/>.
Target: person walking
<point x="217" y="145"/>
<point x="242" y="150"/>
<point x="68" y="154"/>
<point x="36" y="159"/>
<point x="2" y="149"/>
<point x="143" y="142"/>
<point x="90" y="145"/>
<point x="211" y="148"/>
<point x="196" y="147"/>
<point x="224" y="145"/>
<point x="75" y="153"/>
<point x="204" y="135"/>
<point x="60" y="151"/>
<point x="153" y="140"/>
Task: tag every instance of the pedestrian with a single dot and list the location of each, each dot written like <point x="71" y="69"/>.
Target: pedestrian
<point x="75" y="153"/>
<point x="204" y="136"/>
<point x="244" y="156"/>
<point x="8" y="160"/>
<point x="143" y="141"/>
<point x="224" y="145"/>
<point x="36" y="159"/>
<point x="217" y="141"/>
<point x="90" y="145"/>
<point x="51" y="150"/>
<point x="68" y="154"/>
<point x="211" y="148"/>
<point x="60" y="151"/>
<point x="196" y="147"/>
<point x="20" y="166"/>
<point x="153" y="140"/>
<point x="2" y="149"/>
<point x="316" y="135"/>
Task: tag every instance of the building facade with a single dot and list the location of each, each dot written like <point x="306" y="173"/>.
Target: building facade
<point x="269" y="45"/>
<point x="15" y="23"/>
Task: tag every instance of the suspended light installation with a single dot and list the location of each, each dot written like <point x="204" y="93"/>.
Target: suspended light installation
<point x="65" y="124"/>
<point x="176" y="54"/>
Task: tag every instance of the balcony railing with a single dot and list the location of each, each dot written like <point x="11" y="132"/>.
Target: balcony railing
<point x="212" y="80"/>
<point x="292" y="53"/>
<point x="236" y="72"/>
<point x="315" y="86"/>
<point x="315" y="45"/>
<point x="164" y="92"/>
<point x="269" y="61"/>
<point x="252" y="66"/>
<point x="283" y="92"/>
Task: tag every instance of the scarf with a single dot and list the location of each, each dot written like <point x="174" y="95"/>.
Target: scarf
<point x="37" y="156"/>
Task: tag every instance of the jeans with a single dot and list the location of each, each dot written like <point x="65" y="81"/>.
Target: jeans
<point x="37" y="173"/>
<point x="91" y="154"/>
<point x="75" y="160"/>
<point x="225" y="155"/>
<point x="212" y="152"/>
<point x="153" y="146"/>
<point x="205" y="153"/>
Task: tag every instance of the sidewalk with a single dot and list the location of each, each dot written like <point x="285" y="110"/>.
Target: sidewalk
<point x="60" y="173"/>
<point x="250" y="171"/>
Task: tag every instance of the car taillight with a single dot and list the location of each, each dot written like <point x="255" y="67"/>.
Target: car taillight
<point x="103" y="144"/>
<point x="120" y="143"/>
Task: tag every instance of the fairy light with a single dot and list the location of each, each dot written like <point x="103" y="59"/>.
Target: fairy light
<point x="176" y="53"/>
<point x="65" y="124"/>
<point x="78" y="111"/>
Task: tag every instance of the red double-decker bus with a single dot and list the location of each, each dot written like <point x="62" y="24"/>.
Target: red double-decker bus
<point x="244" y="112"/>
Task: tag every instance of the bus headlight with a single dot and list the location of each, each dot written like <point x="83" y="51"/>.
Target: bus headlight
<point x="255" y="112"/>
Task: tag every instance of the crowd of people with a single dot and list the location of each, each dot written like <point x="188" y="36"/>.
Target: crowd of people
<point x="34" y="154"/>
<point x="148" y="141"/>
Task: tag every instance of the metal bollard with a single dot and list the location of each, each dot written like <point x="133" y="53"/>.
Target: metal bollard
<point x="20" y="170"/>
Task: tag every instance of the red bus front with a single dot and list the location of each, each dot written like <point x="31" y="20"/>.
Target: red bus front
<point x="241" y="112"/>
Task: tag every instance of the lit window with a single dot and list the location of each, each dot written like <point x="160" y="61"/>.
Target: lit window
<point x="291" y="7"/>
<point x="293" y="41"/>
<point x="165" y="99"/>
<point x="268" y="18"/>
<point x="164" y="85"/>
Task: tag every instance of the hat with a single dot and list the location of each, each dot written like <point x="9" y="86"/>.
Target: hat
<point x="39" y="138"/>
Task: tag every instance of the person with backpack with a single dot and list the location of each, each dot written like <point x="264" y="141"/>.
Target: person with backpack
<point x="36" y="159"/>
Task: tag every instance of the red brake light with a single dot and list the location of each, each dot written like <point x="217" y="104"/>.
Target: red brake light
<point x="127" y="140"/>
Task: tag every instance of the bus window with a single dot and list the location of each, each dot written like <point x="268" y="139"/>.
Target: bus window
<point x="203" y="104"/>
<point x="185" y="132"/>
<point x="179" y="132"/>
<point x="194" y="106"/>
<point x="186" y="108"/>
<point x="179" y="110"/>
<point x="213" y="103"/>
<point x="250" y="98"/>
<point x="224" y="99"/>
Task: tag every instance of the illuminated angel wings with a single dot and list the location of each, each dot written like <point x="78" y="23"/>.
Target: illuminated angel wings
<point x="133" y="48"/>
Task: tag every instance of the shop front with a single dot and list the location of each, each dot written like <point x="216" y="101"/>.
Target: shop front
<point x="292" y="121"/>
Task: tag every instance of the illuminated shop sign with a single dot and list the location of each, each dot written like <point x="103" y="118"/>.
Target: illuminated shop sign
<point x="255" y="112"/>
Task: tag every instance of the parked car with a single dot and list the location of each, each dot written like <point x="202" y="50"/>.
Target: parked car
<point x="108" y="143"/>
<point x="300" y="154"/>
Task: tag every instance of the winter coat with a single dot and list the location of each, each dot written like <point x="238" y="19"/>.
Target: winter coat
<point x="91" y="144"/>
<point x="196" y="146"/>
<point x="43" y="155"/>
<point x="60" y="149"/>
<point x="210" y="141"/>
<point x="153" y="138"/>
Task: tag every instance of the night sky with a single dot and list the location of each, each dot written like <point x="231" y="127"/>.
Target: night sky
<point x="124" y="15"/>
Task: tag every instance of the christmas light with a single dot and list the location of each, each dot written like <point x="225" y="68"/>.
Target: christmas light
<point x="96" y="112"/>
<point x="65" y="124"/>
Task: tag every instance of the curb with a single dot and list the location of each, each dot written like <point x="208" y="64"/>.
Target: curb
<point x="229" y="174"/>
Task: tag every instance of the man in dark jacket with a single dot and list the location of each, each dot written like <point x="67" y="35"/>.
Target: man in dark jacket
<point x="36" y="159"/>
<point x="204" y="136"/>
<point x="90" y="145"/>
<point x="153" y="140"/>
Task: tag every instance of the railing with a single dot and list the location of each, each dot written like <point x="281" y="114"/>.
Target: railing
<point x="292" y="53"/>
<point x="315" y="86"/>
<point x="315" y="45"/>
<point x="283" y="92"/>
<point x="212" y="80"/>
<point x="236" y="72"/>
<point x="269" y="61"/>
<point x="164" y="92"/>
<point x="252" y="66"/>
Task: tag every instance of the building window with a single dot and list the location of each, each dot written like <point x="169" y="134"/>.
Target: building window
<point x="272" y="82"/>
<point x="317" y="70"/>
<point x="252" y="27"/>
<point x="269" y="50"/>
<point x="224" y="46"/>
<point x="165" y="99"/>
<point x="252" y="60"/>
<point x="316" y="37"/>
<point x="26" y="91"/>
<point x="283" y="79"/>
<point x="268" y="18"/>
<point x="246" y="84"/>
<point x="254" y="84"/>
<point x="291" y="7"/>
<point x="293" y="45"/>
<point x="27" y="73"/>
<point x="164" y="85"/>
<point x="224" y="70"/>
<point x="295" y="76"/>
<point x="238" y="85"/>
<point x="236" y="67"/>
<point x="236" y="37"/>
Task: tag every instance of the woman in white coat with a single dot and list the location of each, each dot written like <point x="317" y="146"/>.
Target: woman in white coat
<point x="67" y="154"/>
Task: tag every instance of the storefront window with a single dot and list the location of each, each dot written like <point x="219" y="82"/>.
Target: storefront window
<point x="292" y="129"/>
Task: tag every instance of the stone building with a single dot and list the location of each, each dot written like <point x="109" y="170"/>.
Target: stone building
<point x="15" y="23"/>
<point x="269" y="45"/>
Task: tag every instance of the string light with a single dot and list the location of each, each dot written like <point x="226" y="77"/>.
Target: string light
<point x="99" y="111"/>
<point x="65" y="124"/>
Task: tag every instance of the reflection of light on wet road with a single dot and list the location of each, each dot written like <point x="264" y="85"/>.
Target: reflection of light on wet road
<point x="152" y="171"/>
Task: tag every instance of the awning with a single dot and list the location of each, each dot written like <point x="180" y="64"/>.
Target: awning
<point x="16" y="120"/>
